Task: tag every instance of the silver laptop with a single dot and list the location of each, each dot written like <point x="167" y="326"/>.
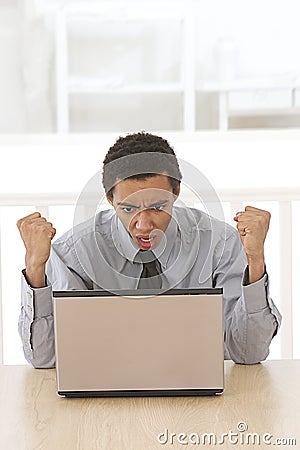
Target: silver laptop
<point x="132" y="344"/>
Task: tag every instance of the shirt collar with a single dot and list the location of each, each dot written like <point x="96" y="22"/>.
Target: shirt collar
<point x="126" y="247"/>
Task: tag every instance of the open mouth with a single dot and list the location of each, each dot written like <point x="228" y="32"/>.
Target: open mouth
<point x="146" y="242"/>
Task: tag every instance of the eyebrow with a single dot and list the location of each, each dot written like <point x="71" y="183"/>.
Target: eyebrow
<point x="129" y="205"/>
<point x="159" y="202"/>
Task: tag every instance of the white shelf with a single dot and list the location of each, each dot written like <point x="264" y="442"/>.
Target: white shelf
<point x="249" y="84"/>
<point x="270" y="96"/>
<point x="81" y="85"/>
<point x="295" y="111"/>
<point x="158" y="10"/>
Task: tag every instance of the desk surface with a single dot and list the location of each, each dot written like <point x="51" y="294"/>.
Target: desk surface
<point x="265" y="398"/>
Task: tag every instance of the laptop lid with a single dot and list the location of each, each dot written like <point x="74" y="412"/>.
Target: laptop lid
<point x="131" y="343"/>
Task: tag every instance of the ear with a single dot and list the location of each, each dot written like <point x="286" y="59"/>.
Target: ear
<point x="109" y="199"/>
<point x="178" y="191"/>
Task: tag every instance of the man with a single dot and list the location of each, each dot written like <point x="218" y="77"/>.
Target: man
<point x="145" y="239"/>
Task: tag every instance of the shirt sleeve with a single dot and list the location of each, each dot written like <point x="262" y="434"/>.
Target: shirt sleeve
<point x="35" y="324"/>
<point x="251" y="318"/>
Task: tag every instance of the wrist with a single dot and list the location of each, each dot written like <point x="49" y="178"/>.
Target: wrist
<point x="257" y="259"/>
<point x="36" y="275"/>
<point x="256" y="266"/>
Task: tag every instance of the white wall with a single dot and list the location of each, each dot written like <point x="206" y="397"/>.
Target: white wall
<point x="12" y="105"/>
<point x="267" y="35"/>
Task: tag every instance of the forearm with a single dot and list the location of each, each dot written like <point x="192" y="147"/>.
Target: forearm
<point x="248" y="336"/>
<point x="36" y="318"/>
<point x="36" y="326"/>
<point x="252" y="324"/>
<point x="250" y="317"/>
<point x="38" y="342"/>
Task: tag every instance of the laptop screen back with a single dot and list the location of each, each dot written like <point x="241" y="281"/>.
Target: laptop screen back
<point x="118" y="343"/>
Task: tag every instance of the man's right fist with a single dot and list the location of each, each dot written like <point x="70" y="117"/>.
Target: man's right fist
<point x="37" y="234"/>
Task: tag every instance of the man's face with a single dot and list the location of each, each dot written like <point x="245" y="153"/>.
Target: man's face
<point x="145" y="208"/>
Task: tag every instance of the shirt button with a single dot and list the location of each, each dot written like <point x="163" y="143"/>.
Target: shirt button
<point x="29" y="295"/>
<point x="29" y="308"/>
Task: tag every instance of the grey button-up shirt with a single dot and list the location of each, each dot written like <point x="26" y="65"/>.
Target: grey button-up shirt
<point x="196" y="251"/>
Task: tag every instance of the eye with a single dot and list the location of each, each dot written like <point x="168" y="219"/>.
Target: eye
<point x="158" y="207"/>
<point x="127" y="209"/>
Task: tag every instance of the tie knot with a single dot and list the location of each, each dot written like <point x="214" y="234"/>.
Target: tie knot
<point x="146" y="257"/>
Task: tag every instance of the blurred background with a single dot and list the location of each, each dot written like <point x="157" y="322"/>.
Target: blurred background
<point x="219" y="80"/>
<point x="91" y="66"/>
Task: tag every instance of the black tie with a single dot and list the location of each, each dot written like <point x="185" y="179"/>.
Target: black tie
<point x="150" y="276"/>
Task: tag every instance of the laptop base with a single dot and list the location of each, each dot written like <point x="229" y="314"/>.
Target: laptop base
<point x="143" y="393"/>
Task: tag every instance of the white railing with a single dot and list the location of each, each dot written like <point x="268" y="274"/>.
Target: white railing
<point x="236" y="200"/>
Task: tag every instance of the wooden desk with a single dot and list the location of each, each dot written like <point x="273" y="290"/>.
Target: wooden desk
<point x="266" y="397"/>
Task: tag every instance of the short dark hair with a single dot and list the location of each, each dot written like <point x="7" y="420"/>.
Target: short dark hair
<point x="139" y="156"/>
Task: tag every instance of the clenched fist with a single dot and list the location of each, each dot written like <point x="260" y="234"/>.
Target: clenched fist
<point x="36" y="234"/>
<point x="253" y="225"/>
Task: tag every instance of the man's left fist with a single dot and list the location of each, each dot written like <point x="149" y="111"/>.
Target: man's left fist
<point x="253" y="225"/>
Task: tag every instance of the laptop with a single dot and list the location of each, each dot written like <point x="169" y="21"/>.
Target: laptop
<point x="131" y="343"/>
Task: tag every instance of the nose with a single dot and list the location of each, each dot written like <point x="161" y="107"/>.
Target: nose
<point x="144" y="221"/>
